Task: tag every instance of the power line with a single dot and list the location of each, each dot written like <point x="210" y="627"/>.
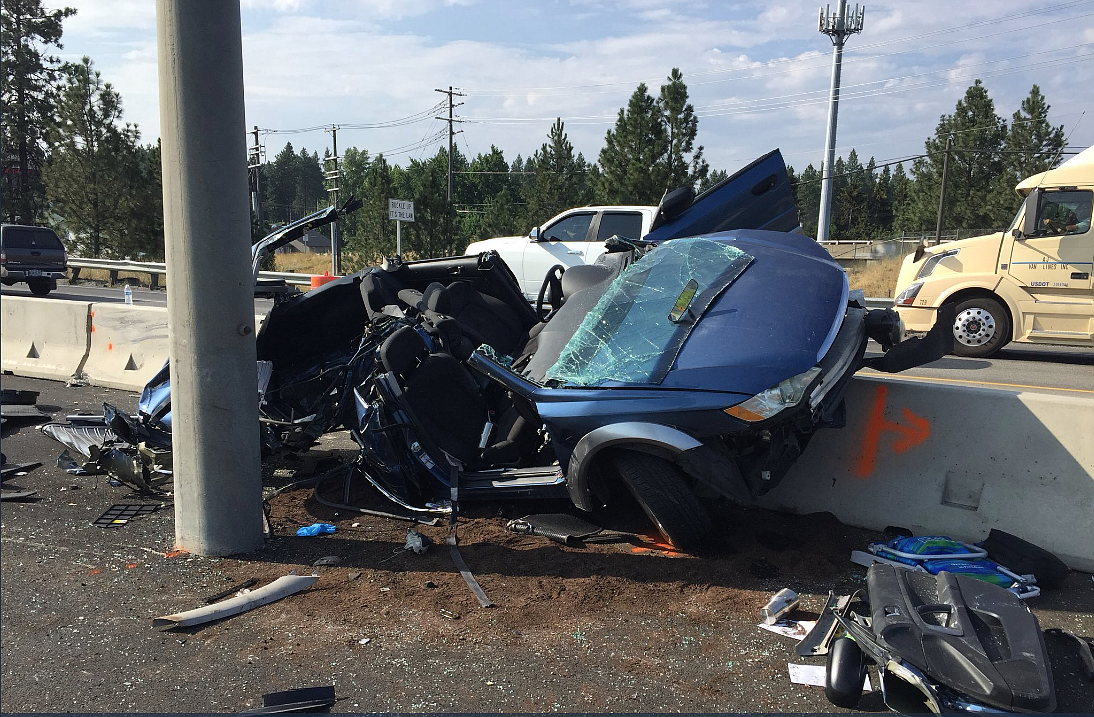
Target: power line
<point x="399" y="122"/>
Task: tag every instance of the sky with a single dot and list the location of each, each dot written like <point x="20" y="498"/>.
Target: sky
<point x="758" y="73"/>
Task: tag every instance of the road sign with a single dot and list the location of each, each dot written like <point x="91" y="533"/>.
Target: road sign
<point x="400" y="210"/>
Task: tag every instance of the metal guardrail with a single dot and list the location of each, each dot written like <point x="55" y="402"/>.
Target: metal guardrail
<point x="157" y="269"/>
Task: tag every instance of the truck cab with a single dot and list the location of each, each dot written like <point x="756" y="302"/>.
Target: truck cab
<point x="1028" y="284"/>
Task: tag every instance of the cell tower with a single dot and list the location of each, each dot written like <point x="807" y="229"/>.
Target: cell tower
<point x="838" y="26"/>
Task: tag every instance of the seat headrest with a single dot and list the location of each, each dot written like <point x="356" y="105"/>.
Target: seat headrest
<point x="578" y="278"/>
<point x="434" y="297"/>
<point x="411" y="297"/>
<point x="402" y="351"/>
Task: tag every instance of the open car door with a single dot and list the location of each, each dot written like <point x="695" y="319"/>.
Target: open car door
<point x="757" y="197"/>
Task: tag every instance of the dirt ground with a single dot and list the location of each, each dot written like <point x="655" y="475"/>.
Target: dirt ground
<point x="628" y="626"/>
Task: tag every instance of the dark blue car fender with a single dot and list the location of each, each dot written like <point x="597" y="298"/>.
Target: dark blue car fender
<point x="702" y="461"/>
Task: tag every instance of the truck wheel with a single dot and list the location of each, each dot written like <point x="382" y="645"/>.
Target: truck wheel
<point x="662" y="491"/>
<point x="40" y="288"/>
<point x="981" y="328"/>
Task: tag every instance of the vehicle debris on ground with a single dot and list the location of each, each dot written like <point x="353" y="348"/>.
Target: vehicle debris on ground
<point x="282" y="587"/>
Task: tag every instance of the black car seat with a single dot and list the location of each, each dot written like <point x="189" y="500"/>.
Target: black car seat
<point x="380" y="293"/>
<point x="483" y="319"/>
<point x="449" y="408"/>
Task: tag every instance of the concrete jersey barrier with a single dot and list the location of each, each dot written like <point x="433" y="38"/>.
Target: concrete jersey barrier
<point x="128" y="345"/>
<point x="955" y="461"/>
<point x="44" y="338"/>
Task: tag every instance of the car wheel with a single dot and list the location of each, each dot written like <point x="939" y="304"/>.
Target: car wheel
<point x="662" y="491"/>
<point x="40" y="288"/>
<point x="981" y="328"/>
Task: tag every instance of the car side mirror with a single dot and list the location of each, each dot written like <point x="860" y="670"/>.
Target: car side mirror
<point x="534" y="234"/>
<point x="672" y="204"/>
<point x="1029" y="219"/>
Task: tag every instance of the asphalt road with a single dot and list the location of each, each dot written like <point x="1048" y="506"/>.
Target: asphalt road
<point x="1061" y="370"/>
<point x="598" y="628"/>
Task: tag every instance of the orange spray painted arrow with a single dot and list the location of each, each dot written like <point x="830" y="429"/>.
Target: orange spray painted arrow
<point x="917" y="430"/>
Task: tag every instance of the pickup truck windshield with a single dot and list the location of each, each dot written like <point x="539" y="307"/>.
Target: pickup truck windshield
<point x="628" y="337"/>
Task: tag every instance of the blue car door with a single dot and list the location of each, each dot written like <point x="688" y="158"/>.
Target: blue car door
<point x="757" y="197"/>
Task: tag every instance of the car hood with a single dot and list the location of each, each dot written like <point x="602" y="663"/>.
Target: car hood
<point x="775" y="321"/>
<point x="496" y="243"/>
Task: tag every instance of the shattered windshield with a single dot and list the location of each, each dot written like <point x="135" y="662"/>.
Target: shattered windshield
<point x="629" y="336"/>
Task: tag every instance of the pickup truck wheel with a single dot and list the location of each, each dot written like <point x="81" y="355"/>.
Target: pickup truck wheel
<point x="40" y="288"/>
<point x="981" y="328"/>
<point x="662" y="491"/>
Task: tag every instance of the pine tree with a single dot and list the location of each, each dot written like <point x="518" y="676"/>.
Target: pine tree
<point x="89" y="177"/>
<point x="559" y="179"/>
<point x="900" y="190"/>
<point x="806" y="188"/>
<point x="142" y="236"/>
<point x="29" y="98"/>
<point x="974" y="176"/>
<point x="681" y="126"/>
<point x="1032" y="145"/>
<point x="632" y="169"/>
<point x="713" y="178"/>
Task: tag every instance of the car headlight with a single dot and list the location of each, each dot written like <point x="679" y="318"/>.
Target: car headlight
<point x="931" y="263"/>
<point x="766" y="404"/>
<point x="907" y="297"/>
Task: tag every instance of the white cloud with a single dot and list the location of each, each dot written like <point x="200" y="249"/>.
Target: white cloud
<point x="758" y="72"/>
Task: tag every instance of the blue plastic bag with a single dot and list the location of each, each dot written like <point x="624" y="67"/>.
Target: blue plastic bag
<point x="316" y="529"/>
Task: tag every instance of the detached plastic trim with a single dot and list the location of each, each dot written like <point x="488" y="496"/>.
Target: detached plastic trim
<point x="282" y="587"/>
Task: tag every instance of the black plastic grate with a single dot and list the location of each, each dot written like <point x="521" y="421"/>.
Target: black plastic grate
<point x="122" y="513"/>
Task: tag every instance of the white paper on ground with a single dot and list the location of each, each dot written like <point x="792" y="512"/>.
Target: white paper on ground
<point x="796" y="629"/>
<point x="814" y="675"/>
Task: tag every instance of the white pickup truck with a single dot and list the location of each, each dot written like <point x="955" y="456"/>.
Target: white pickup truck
<point x="576" y="236"/>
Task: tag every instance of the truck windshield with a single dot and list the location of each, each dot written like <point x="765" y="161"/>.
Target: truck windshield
<point x="628" y="337"/>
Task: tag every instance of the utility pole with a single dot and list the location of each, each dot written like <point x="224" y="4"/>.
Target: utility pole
<point x="451" y="135"/>
<point x="942" y="193"/>
<point x="335" y="177"/>
<point x="210" y="305"/>
<point x="256" y="155"/>
<point x="837" y="26"/>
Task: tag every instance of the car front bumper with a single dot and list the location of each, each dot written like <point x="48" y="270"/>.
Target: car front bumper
<point x="917" y="319"/>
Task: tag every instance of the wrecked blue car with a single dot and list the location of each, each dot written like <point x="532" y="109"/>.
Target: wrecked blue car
<point x="691" y="364"/>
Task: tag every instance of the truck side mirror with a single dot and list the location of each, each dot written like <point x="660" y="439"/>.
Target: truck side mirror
<point x="1029" y="218"/>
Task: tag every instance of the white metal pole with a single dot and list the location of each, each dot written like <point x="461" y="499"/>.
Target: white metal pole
<point x="398" y="238"/>
<point x="837" y="27"/>
<point x="830" y="140"/>
<point x="210" y="303"/>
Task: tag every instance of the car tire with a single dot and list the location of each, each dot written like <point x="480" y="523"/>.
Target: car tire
<point x="40" y="288"/>
<point x="662" y="491"/>
<point x="981" y="328"/>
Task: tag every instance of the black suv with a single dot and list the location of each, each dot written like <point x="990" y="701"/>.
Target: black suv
<point x="34" y="255"/>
